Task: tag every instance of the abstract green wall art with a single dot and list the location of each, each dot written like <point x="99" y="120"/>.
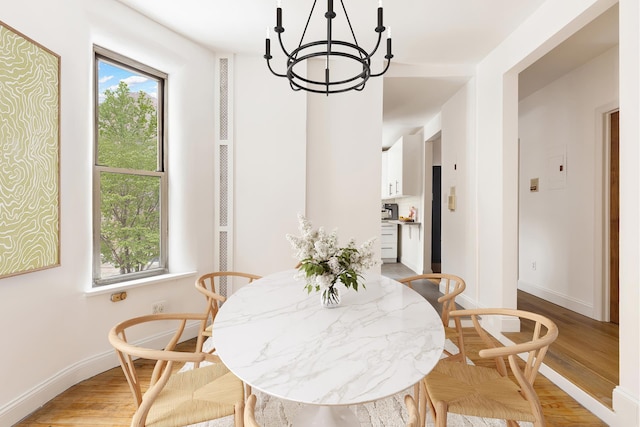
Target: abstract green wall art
<point x="29" y="155"/>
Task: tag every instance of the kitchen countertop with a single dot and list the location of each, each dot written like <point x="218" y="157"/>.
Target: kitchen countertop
<point x="397" y="221"/>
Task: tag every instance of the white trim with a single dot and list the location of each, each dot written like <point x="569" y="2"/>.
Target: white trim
<point x="105" y="289"/>
<point x="28" y="402"/>
<point x="601" y="293"/>
<point x="626" y="407"/>
<point x="573" y="304"/>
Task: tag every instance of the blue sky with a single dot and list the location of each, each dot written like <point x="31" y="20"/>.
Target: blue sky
<point x="109" y="76"/>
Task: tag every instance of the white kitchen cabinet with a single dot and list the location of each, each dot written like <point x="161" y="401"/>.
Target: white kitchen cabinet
<point x="404" y="168"/>
<point x="384" y="186"/>
<point x="389" y="242"/>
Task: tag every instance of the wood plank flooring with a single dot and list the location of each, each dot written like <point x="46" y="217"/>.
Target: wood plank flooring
<point x="586" y="351"/>
<point x="105" y="400"/>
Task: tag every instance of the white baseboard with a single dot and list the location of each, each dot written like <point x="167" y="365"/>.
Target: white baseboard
<point x="411" y="266"/>
<point x="626" y="407"/>
<point x="28" y="402"/>
<point x="562" y="300"/>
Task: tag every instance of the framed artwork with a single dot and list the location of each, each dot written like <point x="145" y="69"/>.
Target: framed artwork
<point x="29" y="155"/>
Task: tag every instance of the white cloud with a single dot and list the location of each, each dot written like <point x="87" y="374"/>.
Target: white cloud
<point x="134" y="80"/>
<point x="105" y="79"/>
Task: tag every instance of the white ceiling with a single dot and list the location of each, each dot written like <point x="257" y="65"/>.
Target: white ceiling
<point x="435" y="43"/>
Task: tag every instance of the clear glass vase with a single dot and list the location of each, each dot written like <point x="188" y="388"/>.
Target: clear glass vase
<point x="330" y="297"/>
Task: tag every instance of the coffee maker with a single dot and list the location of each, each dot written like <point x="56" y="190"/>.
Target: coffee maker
<point x="389" y="211"/>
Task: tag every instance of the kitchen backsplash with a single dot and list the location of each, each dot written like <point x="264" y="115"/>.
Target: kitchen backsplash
<point x="405" y="204"/>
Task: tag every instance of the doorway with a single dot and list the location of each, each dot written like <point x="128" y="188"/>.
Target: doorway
<point x="436" y="216"/>
<point x="614" y="217"/>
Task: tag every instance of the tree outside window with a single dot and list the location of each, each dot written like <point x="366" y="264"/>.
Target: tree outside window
<point x="130" y="177"/>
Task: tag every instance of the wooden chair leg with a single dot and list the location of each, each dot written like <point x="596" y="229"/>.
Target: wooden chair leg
<point x="440" y="414"/>
<point x="422" y="405"/>
<point x="461" y="353"/>
<point x="239" y="414"/>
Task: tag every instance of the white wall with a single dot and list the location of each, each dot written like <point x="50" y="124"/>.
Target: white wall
<point x="561" y="224"/>
<point x="344" y="136"/>
<point x="269" y="180"/>
<point x="497" y="159"/>
<point x="626" y="397"/>
<point x="458" y="248"/>
<point x="59" y="332"/>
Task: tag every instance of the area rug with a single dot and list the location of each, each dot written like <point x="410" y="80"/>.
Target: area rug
<point x="390" y="412"/>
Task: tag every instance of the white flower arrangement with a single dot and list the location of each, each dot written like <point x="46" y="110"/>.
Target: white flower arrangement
<point x="323" y="262"/>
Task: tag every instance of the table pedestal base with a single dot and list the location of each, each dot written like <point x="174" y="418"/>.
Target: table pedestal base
<point x="325" y="416"/>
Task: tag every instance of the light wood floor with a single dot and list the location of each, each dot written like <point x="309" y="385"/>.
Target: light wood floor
<point x="586" y="351"/>
<point x="105" y="400"/>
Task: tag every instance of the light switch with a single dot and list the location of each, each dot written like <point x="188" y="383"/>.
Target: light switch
<point x="533" y="186"/>
<point x="451" y="200"/>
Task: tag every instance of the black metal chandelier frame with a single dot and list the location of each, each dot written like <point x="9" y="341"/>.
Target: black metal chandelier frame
<point x="325" y="49"/>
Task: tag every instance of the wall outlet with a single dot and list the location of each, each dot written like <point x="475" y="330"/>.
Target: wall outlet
<point x="158" y="307"/>
<point x="533" y="265"/>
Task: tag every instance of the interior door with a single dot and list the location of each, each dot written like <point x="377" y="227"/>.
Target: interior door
<point x="614" y="218"/>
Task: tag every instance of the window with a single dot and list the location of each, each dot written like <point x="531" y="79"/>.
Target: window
<point x="130" y="173"/>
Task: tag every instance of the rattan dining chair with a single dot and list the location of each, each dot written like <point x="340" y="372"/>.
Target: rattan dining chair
<point x="412" y="409"/>
<point x="175" y="398"/>
<point x="249" y="412"/>
<point x="209" y="285"/>
<point x="452" y="286"/>
<point x="486" y="391"/>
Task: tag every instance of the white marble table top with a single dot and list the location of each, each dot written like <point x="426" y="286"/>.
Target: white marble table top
<point x="278" y="339"/>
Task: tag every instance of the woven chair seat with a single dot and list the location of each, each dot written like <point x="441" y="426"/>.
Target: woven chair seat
<point x="477" y="391"/>
<point x="176" y="399"/>
<point x="502" y="392"/>
<point x="189" y="397"/>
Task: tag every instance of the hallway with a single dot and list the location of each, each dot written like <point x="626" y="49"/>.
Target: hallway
<point x="586" y="351"/>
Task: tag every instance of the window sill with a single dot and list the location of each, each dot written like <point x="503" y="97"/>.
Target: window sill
<point x="107" y="289"/>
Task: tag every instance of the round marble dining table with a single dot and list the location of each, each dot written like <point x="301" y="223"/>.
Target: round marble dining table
<point x="277" y="338"/>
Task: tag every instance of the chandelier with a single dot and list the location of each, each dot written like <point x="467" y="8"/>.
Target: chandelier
<point x="353" y="75"/>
